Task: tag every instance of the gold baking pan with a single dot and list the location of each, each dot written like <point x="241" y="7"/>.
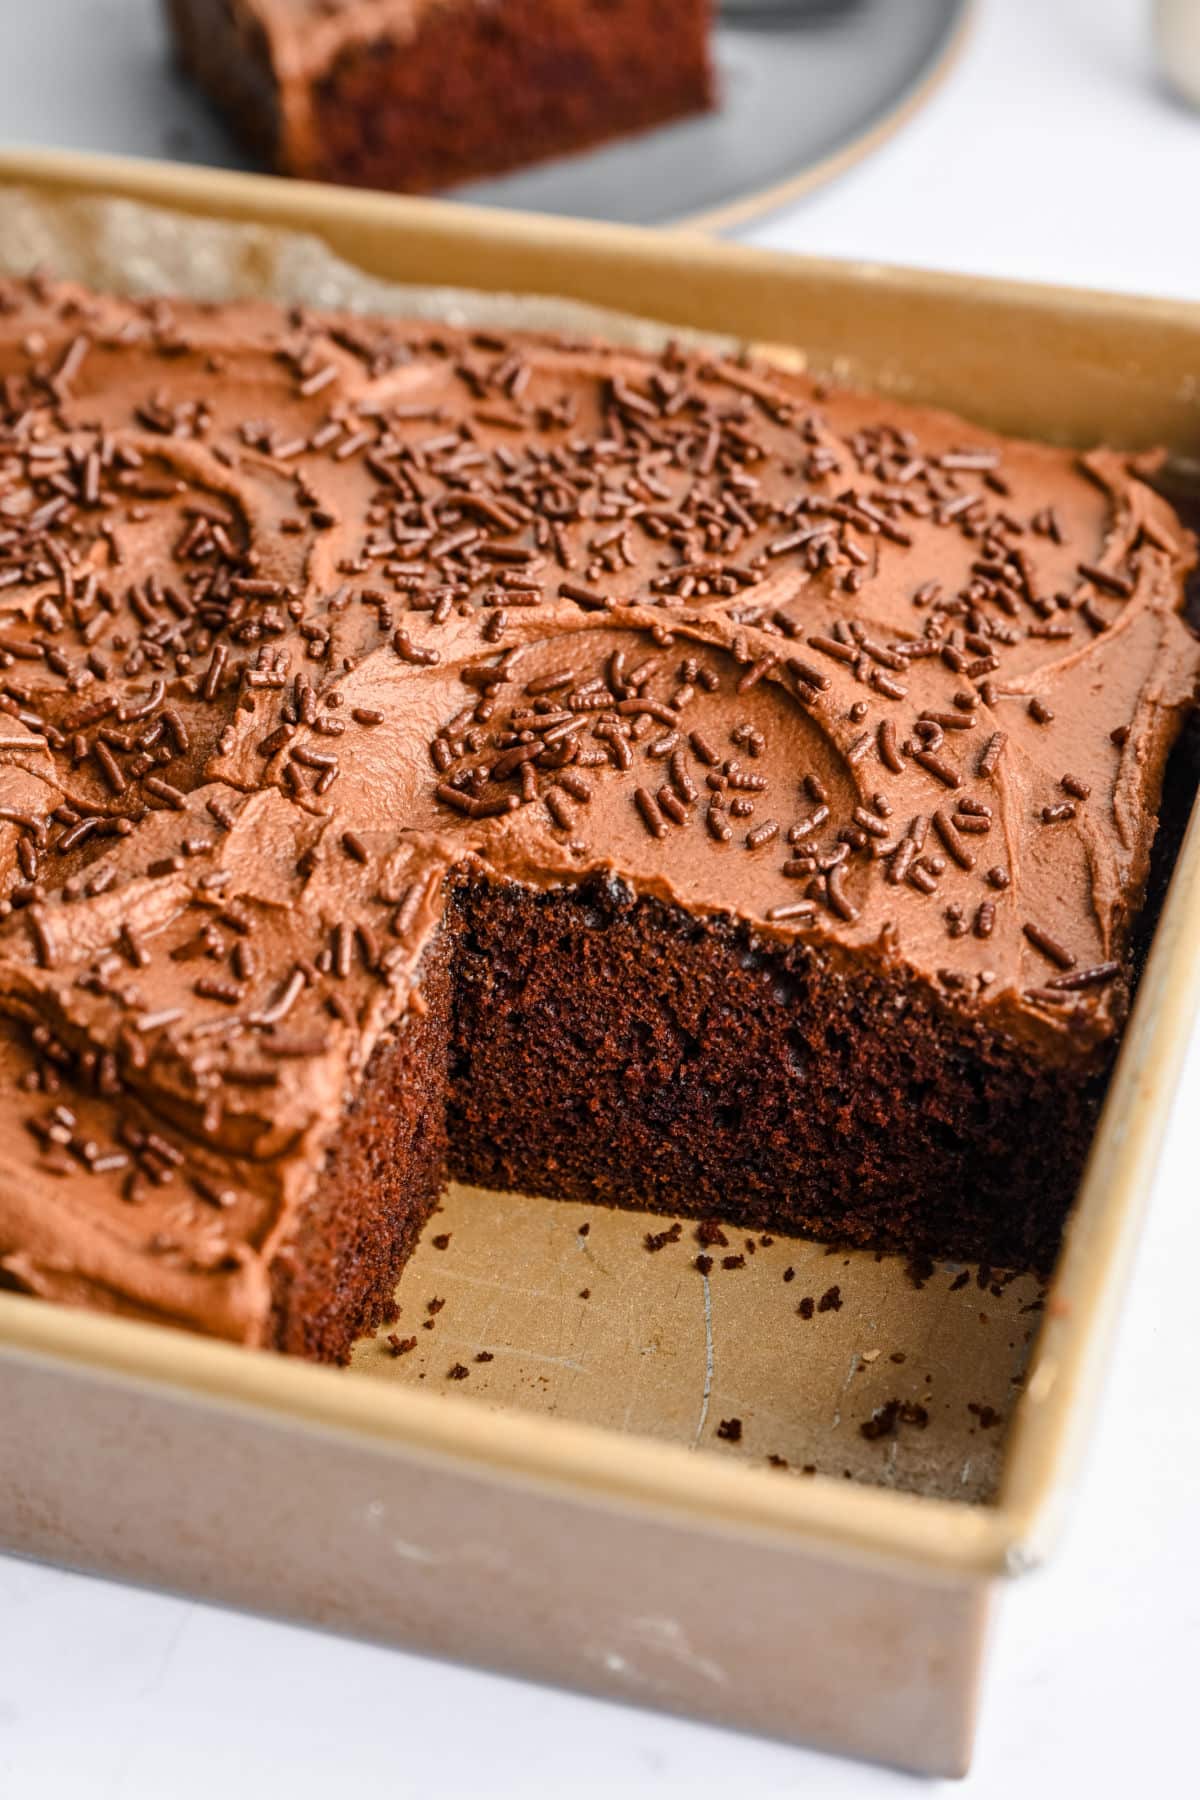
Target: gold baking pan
<point x="570" y="1511"/>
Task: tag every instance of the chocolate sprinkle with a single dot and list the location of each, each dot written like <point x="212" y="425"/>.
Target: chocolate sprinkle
<point x="283" y="693"/>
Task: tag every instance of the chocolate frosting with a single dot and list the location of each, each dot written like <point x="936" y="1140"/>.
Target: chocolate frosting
<point x="301" y="614"/>
<point x="304" y="38"/>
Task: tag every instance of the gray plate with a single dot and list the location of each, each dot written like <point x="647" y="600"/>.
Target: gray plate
<point x="798" y="99"/>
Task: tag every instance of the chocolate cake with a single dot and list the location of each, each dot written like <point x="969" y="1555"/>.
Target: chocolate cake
<point x="649" y="780"/>
<point x="421" y="94"/>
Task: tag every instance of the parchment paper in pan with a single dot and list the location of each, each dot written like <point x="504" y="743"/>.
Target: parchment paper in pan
<point x="593" y="1325"/>
<point x="126" y="248"/>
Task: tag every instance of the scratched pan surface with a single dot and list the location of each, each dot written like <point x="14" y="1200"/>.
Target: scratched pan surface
<point x="591" y="1325"/>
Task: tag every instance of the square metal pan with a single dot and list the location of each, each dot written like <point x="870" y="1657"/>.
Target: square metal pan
<point x="842" y="1613"/>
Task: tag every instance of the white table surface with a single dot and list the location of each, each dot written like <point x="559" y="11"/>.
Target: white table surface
<point x="1050" y="154"/>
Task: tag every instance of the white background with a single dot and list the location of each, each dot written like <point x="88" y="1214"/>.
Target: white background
<point x="1052" y="153"/>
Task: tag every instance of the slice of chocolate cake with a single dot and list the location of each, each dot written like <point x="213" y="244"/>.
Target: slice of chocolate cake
<point x="421" y="94"/>
<point x="654" y="780"/>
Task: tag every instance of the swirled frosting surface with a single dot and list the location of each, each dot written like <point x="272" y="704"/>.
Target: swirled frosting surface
<point x="299" y="614"/>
